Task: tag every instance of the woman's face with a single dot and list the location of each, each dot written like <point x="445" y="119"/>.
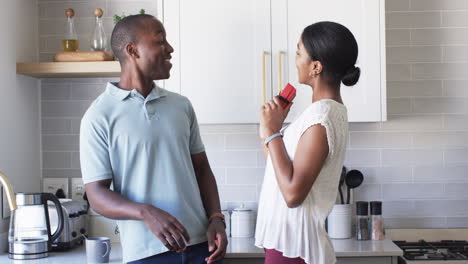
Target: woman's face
<point x="303" y="63"/>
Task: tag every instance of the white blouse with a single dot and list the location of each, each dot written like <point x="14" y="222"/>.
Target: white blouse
<point x="300" y="232"/>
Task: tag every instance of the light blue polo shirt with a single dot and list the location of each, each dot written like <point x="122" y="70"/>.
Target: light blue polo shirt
<point x="145" y="147"/>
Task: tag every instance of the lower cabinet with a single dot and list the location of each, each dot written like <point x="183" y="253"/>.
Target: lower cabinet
<point x="347" y="260"/>
<point x="243" y="261"/>
<point x="368" y="260"/>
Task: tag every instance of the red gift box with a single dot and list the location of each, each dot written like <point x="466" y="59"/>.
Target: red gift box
<point x="287" y="95"/>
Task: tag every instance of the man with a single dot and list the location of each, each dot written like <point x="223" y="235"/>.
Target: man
<point x="145" y="141"/>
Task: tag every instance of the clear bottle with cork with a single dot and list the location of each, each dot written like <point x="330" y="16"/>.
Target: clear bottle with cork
<point x="99" y="39"/>
<point x="377" y="228"/>
<point x="362" y="220"/>
<point x="70" y="41"/>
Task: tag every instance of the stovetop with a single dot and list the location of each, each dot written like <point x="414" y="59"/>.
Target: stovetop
<point x="444" y="251"/>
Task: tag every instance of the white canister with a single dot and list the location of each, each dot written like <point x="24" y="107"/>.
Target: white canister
<point x="227" y="220"/>
<point x="339" y="221"/>
<point x="242" y="222"/>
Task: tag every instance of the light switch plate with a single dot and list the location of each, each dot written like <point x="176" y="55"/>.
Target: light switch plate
<point x="77" y="189"/>
<point x="51" y="185"/>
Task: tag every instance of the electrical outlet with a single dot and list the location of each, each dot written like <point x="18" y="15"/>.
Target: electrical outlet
<point x="77" y="189"/>
<point x="51" y="185"/>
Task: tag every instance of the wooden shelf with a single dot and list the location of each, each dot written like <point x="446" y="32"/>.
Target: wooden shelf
<point x="92" y="69"/>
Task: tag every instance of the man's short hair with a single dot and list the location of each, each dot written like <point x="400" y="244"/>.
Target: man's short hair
<point x="126" y="31"/>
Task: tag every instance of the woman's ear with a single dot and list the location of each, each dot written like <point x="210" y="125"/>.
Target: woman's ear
<point x="317" y="67"/>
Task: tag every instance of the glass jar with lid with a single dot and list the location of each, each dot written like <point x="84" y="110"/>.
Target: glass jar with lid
<point x="70" y="40"/>
<point x="98" y="39"/>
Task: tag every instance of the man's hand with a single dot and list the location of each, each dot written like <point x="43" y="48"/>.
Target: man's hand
<point x="216" y="240"/>
<point x="166" y="228"/>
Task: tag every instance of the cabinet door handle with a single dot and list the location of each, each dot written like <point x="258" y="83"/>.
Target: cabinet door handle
<point x="280" y="71"/>
<point x="264" y="54"/>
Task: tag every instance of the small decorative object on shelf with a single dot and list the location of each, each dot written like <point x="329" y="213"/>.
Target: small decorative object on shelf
<point x="99" y="39"/>
<point x="70" y="40"/>
<point x="117" y="18"/>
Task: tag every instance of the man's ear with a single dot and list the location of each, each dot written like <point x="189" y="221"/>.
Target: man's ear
<point x="132" y="51"/>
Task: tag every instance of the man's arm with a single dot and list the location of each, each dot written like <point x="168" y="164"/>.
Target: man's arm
<point x="206" y="183"/>
<point x="209" y="193"/>
<point x="112" y="205"/>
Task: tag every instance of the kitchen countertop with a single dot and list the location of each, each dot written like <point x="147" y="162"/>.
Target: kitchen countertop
<point x="237" y="248"/>
<point x="244" y="248"/>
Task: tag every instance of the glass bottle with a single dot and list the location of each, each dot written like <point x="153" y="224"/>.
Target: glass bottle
<point x="99" y="39"/>
<point x="70" y="42"/>
<point x="362" y="221"/>
<point x="377" y="230"/>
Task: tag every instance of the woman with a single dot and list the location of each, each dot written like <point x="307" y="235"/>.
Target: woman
<point x="304" y="161"/>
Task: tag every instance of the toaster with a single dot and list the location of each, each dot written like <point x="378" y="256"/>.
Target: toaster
<point x="75" y="224"/>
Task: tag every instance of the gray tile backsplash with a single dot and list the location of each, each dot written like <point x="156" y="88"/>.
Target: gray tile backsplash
<point x="423" y="5"/>
<point x="413" y="19"/>
<point x="398" y="37"/>
<point x="416" y="162"/>
<point x="418" y="88"/>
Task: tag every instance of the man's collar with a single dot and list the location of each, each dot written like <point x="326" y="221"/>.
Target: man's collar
<point x="122" y="94"/>
<point x="156" y="93"/>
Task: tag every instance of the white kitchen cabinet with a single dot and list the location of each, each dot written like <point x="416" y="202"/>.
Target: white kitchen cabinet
<point x="231" y="56"/>
<point x="366" y="101"/>
<point x="218" y="56"/>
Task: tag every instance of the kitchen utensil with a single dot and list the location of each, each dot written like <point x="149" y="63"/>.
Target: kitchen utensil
<point x="353" y="179"/>
<point x="377" y="226"/>
<point x="242" y="222"/>
<point x="98" y="249"/>
<point x="75" y="223"/>
<point x="287" y="95"/>
<point x="339" y="221"/>
<point x="30" y="234"/>
<point x="342" y="179"/>
<point x="362" y="221"/>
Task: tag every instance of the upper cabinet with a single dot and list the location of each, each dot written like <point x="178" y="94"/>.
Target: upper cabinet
<point x="222" y="52"/>
<point x="231" y="56"/>
<point x="366" y="101"/>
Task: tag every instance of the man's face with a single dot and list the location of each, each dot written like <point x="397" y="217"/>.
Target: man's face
<point x="154" y="50"/>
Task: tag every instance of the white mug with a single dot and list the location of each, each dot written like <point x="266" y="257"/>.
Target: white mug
<point x="98" y="249"/>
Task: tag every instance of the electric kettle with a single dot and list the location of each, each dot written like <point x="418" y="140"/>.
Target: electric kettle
<point x="29" y="236"/>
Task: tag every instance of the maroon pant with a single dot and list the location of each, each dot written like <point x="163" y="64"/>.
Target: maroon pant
<point x="273" y="256"/>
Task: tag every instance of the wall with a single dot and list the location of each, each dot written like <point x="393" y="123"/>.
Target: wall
<point x="415" y="162"/>
<point x="19" y="103"/>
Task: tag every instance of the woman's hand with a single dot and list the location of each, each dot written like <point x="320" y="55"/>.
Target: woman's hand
<point x="272" y="116"/>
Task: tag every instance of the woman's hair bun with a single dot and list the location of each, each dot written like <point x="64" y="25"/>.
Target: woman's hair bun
<point x="351" y="76"/>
